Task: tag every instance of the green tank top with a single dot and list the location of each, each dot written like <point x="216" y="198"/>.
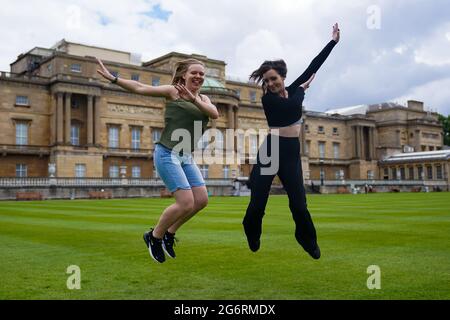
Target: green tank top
<point x="182" y="114"/>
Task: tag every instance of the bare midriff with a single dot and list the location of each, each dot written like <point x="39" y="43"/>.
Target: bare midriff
<point x="289" y="131"/>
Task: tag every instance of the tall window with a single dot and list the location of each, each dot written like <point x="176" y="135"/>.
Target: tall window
<point x="156" y="134"/>
<point x="253" y="144"/>
<point x="80" y="170"/>
<point x="411" y="173"/>
<point x="226" y="172"/>
<point x="113" y="135"/>
<point x="135" y="138"/>
<point x="321" y="149"/>
<point x="218" y="139"/>
<point x="136" y="172"/>
<point x="386" y="173"/>
<point x="307" y="146"/>
<point x="22" y="133"/>
<point x="336" y="150"/>
<point x="394" y="173"/>
<point x="21" y="170"/>
<point x="253" y="96"/>
<point x="114" y="171"/>
<point x="321" y="129"/>
<point x="135" y="77"/>
<point x="204" y="170"/>
<point x="439" y="172"/>
<point x="75" y="135"/>
<point x="420" y="172"/>
<point x="204" y="140"/>
<point x="429" y="172"/>
<point x="238" y="92"/>
<point x="402" y="173"/>
<point x="335" y="131"/>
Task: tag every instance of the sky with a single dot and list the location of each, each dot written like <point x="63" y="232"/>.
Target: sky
<point x="390" y="50"/>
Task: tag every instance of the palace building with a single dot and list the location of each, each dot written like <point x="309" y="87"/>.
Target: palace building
<point x="57" y="112"/>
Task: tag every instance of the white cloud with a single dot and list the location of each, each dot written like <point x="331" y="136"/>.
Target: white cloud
<point x="367" y="65"/>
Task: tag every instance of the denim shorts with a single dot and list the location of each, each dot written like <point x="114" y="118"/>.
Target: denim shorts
<point x="177" y="171"/>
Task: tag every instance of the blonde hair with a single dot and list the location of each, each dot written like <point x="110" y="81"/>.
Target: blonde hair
<point x="182" y="67"/>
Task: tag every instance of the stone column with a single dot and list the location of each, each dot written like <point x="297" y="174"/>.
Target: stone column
<point x="97" y="124"/>
<point x="361" y="139"/>
<point x="230" y="114"/>
<point x="90" y="120"/>
<point x="236" y="117"/>
<point x="53" y="120"/>
<point x="371" y="146"/>
<point x="67" y="117"/>
<point x="303" y="139"/>
<point x="357" y="143"/>
<point x="59" y="118"/>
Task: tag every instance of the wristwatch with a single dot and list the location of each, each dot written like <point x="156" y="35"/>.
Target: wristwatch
<point x="115" y="80"/>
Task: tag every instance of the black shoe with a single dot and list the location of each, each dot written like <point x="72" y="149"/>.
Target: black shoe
<point x="315" y="254"/>
<point x="168" y="244"/>
<point x="254" y="244"/>
<point x="154" y="246"/>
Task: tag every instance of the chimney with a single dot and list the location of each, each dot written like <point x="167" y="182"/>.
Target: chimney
<point x="415" y="105"/>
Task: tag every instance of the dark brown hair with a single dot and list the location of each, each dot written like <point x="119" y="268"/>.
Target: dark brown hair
<point x="278" y="65"/>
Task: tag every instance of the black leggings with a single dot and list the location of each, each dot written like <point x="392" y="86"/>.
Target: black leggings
<point x="290" y="174"/>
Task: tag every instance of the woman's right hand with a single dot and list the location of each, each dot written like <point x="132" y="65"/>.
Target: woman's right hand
<point x="104" y="72"/>
<point x="307" y="83"/>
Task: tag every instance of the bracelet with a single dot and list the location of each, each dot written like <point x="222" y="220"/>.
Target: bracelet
<point x="115" y="80"/>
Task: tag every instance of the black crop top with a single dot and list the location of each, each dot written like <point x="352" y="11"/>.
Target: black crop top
<point x="283" y="112"/>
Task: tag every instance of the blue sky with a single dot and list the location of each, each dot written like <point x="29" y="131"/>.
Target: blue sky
<point x="391" y="50"/>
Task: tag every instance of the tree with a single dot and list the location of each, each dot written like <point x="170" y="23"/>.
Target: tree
<point x="445" y="121"/>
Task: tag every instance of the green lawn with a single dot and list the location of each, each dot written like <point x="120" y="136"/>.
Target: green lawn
<point x="406" y="235"/>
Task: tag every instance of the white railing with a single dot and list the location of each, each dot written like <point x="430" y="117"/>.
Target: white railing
<point x="379" y="182"/>
<point x="95" y="182"/>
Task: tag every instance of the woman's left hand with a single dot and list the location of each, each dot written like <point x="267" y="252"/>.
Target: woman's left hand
<point x="336" y="33"/>
<point x="183" y="91"/>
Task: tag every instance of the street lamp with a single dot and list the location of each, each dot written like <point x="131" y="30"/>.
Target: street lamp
<point x="321" y="172"/>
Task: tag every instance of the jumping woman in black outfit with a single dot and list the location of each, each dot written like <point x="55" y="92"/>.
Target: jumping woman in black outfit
<point x="283" y="110"/>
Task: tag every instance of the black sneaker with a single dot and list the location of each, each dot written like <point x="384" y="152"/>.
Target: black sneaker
<point x="168" y="244"/>
<point x="254" y="244"/>
<point x="154" y="246"/>
<point x="315" y="254"/>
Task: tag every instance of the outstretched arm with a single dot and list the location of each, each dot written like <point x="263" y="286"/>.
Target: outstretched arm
<point x="166" y="91"/>
<point x="319" y="60"/>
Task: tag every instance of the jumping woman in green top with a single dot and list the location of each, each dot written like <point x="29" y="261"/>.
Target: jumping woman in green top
<point x="184" y="106"/>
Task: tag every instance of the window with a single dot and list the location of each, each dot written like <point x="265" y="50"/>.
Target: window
<point x="394" y="173"/>
<point x="321" y="149"/>
<point x="429" y="172"/>
<point x="204" y="140"/>
<point x="253" y="144"/>
<point x="22" y="133"/>
<point x="402" y="173"/>
<point x="307" y="146"/>
<point x="113" y="135"/>
<point x="204" y="170"/>
<point x="335" y="131"/>
<point x="370" y="175"/>
<point x="253" y="96"/>
<point x="322" y="174"/>
<point x="114" y="171"/>
<point x="156" y="134"/>
<point x="386" y="174"/>
<point x="411" y="173"/>
<point x="420" y="172"/>
<point x="238" y="92"/>
<point x="135" y="138"/>
<point x="321" y="129"/>
<point x="218" y="140"/>
<point x="75" y="135"/>
<point x="136" y="172"/>
<point x="337" y="174"/>
<point x="80" y="170"/>
<point x="155" y="173"/>
<point x="75" y="103"/>
<point x="306" y="128"/>
<point x="135" y="77"/>
<point x="21" y="170"/>
<point x="439" y="172"/>
<point x="336" y="147"/>
<point x="22" y="101"/>
<point x="226" y="172"/>
<point x="156" y="81"/>
<point x="75" y="67"/>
